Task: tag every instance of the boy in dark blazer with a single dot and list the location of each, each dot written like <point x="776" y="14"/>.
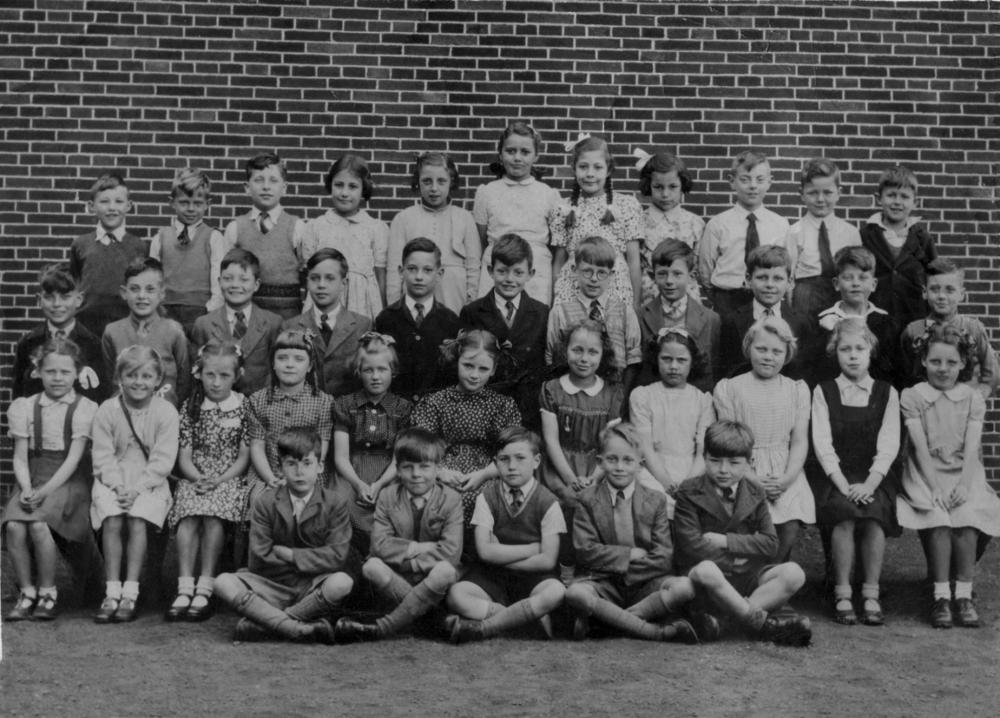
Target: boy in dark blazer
<point x="300" y="536"/>
<point x="517" y="321"/>
<point x="624" y="551"/>
<point x="240" y="320"/>
<point x="673" y="272"/>
<point x="336" y="330"/>
<point x="416" y="539"/>
<point x="726" y="541"/>
<point x="418" y="323"/>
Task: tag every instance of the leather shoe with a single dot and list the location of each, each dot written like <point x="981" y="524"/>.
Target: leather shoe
<point x="461" y="630"/>
<point x="683" y="632"/>
<point x="347" y="630"/>
<point x="249" y="632"/>
<point x="787" y="630"/>
<point x="126" y="612"/>
<point x="177" y="610"/>
<point x="45" y="609"/>
<point x="107" y="610"/>
<point x="706" y="626"/>
<point x="965" y="613"/>
<point x="581" y="627"/>
<point x="21" y="610"/>
<point x="941" y="616"/>
<point x="323" y="632"/>
<point x="198" y="612"/>
<point x="871" y="613"/>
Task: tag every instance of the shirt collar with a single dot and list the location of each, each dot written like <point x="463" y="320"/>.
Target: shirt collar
<point x="427" y="302"/>
<point x="298" y="504"/>
<point x="931" y="395"/>
<point x="67" y="330"/>
<point x="179" y="226"/>
<point x="628" y="490"/>
<point x="572" y="389"/>
<point x="744" y="212"/>
<point x="230" y="403"/>
<point x="866" y="385"/>
<point x="67" y="398"/>
<point x="501" y="302"/>
<point x="231" y="313"/>
<point x="525" y="490"/>
<point x="118" y="233"/>
<point x="331" y="315"/>
<point x="674" y="309"/>
<point x="273" y="213"/>
<point x="829" y="318"/>
<point x="877" y="219"/>
<point x="585" y="301"/>
<point x="148" y="322"/>
<point x="280" y="393"/>
<point x="759" y="309"/>
<point x="525" y="182"/>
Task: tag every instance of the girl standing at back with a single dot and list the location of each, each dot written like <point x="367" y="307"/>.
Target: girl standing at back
<point x="51" y="430"/>
<point x="135" y="447"/>
<point x="214" y="455"/>
<point x="451" y="228"/>
<point x="361" y="238"/>
<point x="517" y="203"/>
<point x="776" y="409"/>
<point x="945" y="496"/>
<point x="595" y="210"/>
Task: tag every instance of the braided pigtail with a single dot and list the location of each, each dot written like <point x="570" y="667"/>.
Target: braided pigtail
<point x="574" y="199"/>
<point x="609" y="216"/>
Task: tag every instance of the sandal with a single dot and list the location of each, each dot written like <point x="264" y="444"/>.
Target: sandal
<point x="179" y="608"/>
<point x="107" y="610"/>
<point x="843" y="612"/>
<point x="22" y="609"/>
<point x="871" y="614"/>
<point x="200" y="608"/>
<point x="45" y="609"/>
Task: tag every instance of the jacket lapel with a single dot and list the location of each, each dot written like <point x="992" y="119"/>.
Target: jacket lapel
<point x="255" y="331"/>
<point x="341" y="330"/>
<point x="652" y="316"/>
<point x="603" y="514"/>
<point x="404" y="514"/>
<point x="745" y="503"/>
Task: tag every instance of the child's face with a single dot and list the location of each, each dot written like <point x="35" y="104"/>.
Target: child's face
<point x="943" y="364"/>
<point x="417" y="476"/>
<point x="517" y="463"/>
<point x="325" y="284"/>
<point x="517" y="156"/>
<point x="435" y="185"/>
<point x="583" y="353"/>
<point x="673" y="281"/>
<point x="943" y="293"/>
<point x="140" y="383"/>
<point x="820" y="196"/>
<point x="218" y="374"/>
<point x="854" y="355"/>
<point x="855" y="286"/>
<point x="767" y="354"/>
<point x="376" y="373"/>
<point x="620" y="461"/>
<point x="143" y="293"/>
<point x="750" y="185"/>
<point x="190" y="208"/>
<point x="726" y="471"/>
<point x="302" y="474"/>
<point x="60" y="308"/>
<point x="591" y="171"/>
<point x="592" y="280"/>
<point x="665" y="190"/>
<point x="345" y="191"/>
<point x="57" y="372"/>
<point x="674" y="362"/>
<point x="110" y="207"/>
<point x="238" y="285"/>
<point x="420" y="273"/>
<point x="266" y="187"/>
<point x="509" y="279"/>
<point x="768" y="284"/>
<point x="475" y="367"/>
<point x="291" y="367"/>
<point x="897" y="203"/>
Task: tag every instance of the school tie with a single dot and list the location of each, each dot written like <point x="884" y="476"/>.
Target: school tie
<point x="418" y="317"/>
<point x="729" y="493"/>
<point x="623" y="520"/>
<point x="825" y="256"/>
<point x="183" y="237"/>
<point x="240" y="326"/>
<point x="509" y="317"/>
<point x="143" y="329"/>
<point x="516" y="499"/>
<point x="265" y="223"/>
<point x="60" y="334"/>
<point x="325" y="330"/>
<point x="107" y="239"/>
<point x="769" y="312"/>
<point x="595" y="311"/>
<point x="753" y="240"/>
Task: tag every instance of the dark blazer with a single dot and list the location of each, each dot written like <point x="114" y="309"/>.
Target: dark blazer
<point x="338" y="354"/>
<point x="598" y="552"/>
<point x="735" y="326"/>
<point x="420" y="371"/>
<point x="320" y="539"/>
<point x="393" y="530"/>
<point x="90" y="355"/>
<point x="749" y="531"/>
<point x="700" y="322"/>
<point x="901" y="277"/>
<point x="262" y="329"/>
<point x="521" y="377"/>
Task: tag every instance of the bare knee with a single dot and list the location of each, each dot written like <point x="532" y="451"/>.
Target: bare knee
<point x="707" y="574"/>
<point x="337" y="586"/>
<point x="792" y="576"/>
<point x="580" y="596"/>
<point x="39" y="531"/>
<point x="550" y="592"/>
<point x="676" y="590"/>
<point x="443" y="573"/>
<point x="17" y="532"/>
<point x="376" y="571"/>
<point x="228" y="587"/>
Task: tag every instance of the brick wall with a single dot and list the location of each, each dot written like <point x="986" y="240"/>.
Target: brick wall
<point x="146" y="87"/>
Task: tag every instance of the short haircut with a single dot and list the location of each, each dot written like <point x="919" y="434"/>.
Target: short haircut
<point x="57" y="279"/>
<point x="189" y="180"/>
<point x="597" y="251"/>
<point x="769" y="256"/>
<point x="853" y="256"/>
<point x="143" y="264"/>
<point x="898" y="177"/>
<point x="356" y="166"/>
<point x="416" y="444"/>
<point x="664" y="162"/>
<point x="819" y="167"/>
<point x="373" y="344"/>
<point x="132" y="357"/>
<point x="422" y="244"/>
<point x="851" y="326"/>
<point x="107" y="181"/>
<point x="514" y="434"/>
<point x="669" y="251"/>
<point x="622" y="430"/>
<point x="298" y="442"/>
<point x="321" y="255"/>
<point x="243" y="258"/>
<point x="941" y="266"/>
<point x="510" y="249"/>
<point x="747" y="160"/>
<point x="57" y="345"/>
<point x="262" y="162"/>
<point x="776" y="326"/>
<point x="729" y="440"/>
<point x="436" y="159"/>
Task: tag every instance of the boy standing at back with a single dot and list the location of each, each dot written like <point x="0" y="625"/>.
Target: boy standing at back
<point x="272" y="234"/>
<point x="97" y="260"/>
<point x="731" y="236"/>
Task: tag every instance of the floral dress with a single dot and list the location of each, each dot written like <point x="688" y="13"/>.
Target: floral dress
<point x="676" y="223"/>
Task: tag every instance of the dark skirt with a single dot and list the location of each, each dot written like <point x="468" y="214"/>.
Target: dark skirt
<point x="66" y="510"/>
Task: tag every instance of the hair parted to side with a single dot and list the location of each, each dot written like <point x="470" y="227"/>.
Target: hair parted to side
<point x="321" y="255"/>
<point x="111" y="180"/>
<point x="768" y="256"/>
<point x="143" y="264"/>
<point x="941" y="266"/>
<point x="60" y="346"/>
<point x="591" y="144"/>
<point x="777" y="327"/>
<point x="416" y="444"/>
<point x="515" y="434"/>
<point x="853" y="256"/>
<point x="851" y="327"/>
<point x="677" y="336"/>
<point x="262" y="161"/>
<point x="622" y="430"/>
<point x="356" y="166"/>
<point x="373" y="344"/>
<point x="664" y="162"/>
<point x="897" y="177"/>
<point x="298" y="442"/>
<point x="669" y="251"/>
<point x="135" y="356"/>
<point x="478" y="340"/>
<point x="242" y="258"/>
<point x="210" y="350"/>
<point x="57" y="279"/>
<point x="729" y="440"/>
<point x="522" y="129"/>
<point x="747" y="160"/>
<point x="510" y="249"/>
<point x="422" y="244"/>
<point x="819" y="167"/>
<point x="189" y="180"/>
<point x="597" y="251"/>
<point x="436" y="159"/>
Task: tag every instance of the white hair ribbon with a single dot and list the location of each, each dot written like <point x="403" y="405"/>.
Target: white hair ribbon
<point x="641" y="157"/>
<point x="579" y="138"/>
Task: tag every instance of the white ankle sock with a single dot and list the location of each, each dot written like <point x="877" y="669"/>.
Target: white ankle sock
<point x="942" y="590"/>
<point x="185" y="585"/>
<point x="48" y="591"/>
<point x="113" y="589"/>
<point x="963" y="589"/>
<point x="130" y="589"/>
